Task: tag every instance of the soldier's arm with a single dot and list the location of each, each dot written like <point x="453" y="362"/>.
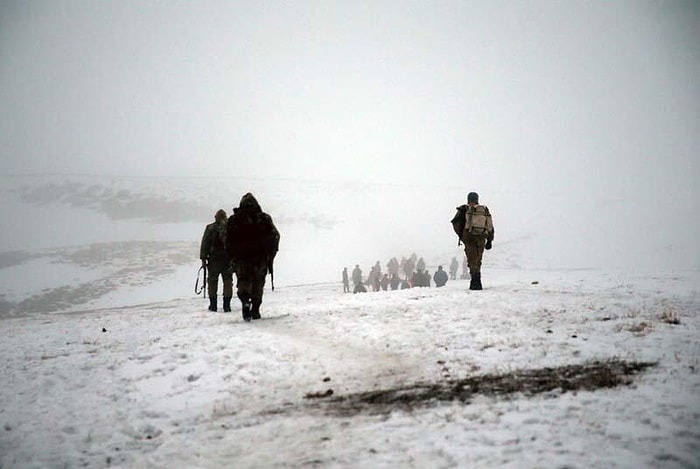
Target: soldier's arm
<point x="205" y="246"/>
<point x="273" y="237"/>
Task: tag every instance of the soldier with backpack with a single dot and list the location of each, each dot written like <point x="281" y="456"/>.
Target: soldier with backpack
<point x="252" y="241"/>
<point x="473" y="225"/>
<point x="212" y="253"/>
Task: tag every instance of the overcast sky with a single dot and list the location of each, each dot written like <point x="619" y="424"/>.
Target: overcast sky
<point x="562" y="95"/>
<point x="578" y="122"/>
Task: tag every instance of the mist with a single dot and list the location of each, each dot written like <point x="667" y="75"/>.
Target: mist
<point x="578" y="123"/>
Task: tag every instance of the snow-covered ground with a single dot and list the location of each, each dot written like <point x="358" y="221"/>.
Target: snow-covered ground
<point x="171" y="385"/>
<point x="582" y="351"/>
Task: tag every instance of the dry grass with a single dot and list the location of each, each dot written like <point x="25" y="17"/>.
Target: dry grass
<point x="669" y="315"/>
<point x="582" y="377"/>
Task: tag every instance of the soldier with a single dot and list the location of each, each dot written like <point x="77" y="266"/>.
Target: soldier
<point x="454" y="265"/>
<point x="417" y="278"/>
<point x="384" y="282"/>
<point x="474" y="226"/>
<point x="440" y="277"/>
<point x="408" y="267"/>
<point x="252" y="241"/>
<point x="357" y="279"/>
<point x="393" y="266"/>
<point x="212" y="253"/>
<point x="395" y="281"/>
<point x="346" y="281"/>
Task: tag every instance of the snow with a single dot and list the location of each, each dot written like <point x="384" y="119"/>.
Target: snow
<point x="173" y="385"/>
<point x="110" y="361"/>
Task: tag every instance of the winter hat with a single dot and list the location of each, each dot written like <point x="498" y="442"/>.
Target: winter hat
<point x="473" y="197"/>
<point x="220" y="215"/>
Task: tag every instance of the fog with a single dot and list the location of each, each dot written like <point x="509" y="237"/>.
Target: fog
<point x="577" y="122"/>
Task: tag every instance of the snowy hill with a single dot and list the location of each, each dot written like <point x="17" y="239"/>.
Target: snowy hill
<point x="565" y="359"/>
<point x="359" y="127"/>
<point x="580" y="369"/>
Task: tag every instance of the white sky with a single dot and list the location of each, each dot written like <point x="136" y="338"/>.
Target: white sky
<point x="502" y="92"/>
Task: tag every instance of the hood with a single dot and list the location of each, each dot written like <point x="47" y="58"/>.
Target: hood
<point x="249" y="203"/>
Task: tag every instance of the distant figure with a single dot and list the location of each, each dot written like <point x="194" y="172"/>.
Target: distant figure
<point x="393" y="267"/>
<point x="395" y="281"/>
<point x="346" y="281"/>
<point x="357" y="280"/>
<point x="454" y="265"/>
<point x="426" y="278"/>
<point x="212" y="253"/>
<point x="408" y="267"/>
<point x="375" y="277"/>
<point x="474" y="226"/>
<point x="465" y="268"/>
<point x="420" y="265"/>
<point x="384" y="283"/>
<point x="440" y="276"/>
<point x="417" y="279"/>
<point x="252" y="241"/>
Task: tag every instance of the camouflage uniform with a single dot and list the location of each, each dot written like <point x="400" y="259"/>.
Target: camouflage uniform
<point x="212" y="252"/>
<point x="252" y="241"/>
<point x="474" y="249"/>
<point x="357" y="279"/>
<point x="474" y="244"/>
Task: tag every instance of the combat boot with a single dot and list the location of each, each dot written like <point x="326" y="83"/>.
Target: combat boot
<point x="212" y="303"/>
<point x="475" y="282"/>
<point x="227" y="304"/>
<point x="245" y="307"/>
<point x="255" y="312"/>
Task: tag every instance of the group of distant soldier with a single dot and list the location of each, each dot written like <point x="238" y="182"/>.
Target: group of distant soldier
<point x="473" y="225"/>
<point x="410" y="272"/>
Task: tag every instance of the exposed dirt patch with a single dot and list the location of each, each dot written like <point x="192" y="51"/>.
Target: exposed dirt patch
<point x="120" y="264"/>
<point x="582" y="377"/>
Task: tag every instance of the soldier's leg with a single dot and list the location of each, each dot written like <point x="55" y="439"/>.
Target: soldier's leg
<point x="244" y="286"/>
<point x="213" y="284"/>
<point x="478" y="256"/>
<point x="471" y="249"/>
<point x="259" y="274"/>
<point x="227" y="277"/>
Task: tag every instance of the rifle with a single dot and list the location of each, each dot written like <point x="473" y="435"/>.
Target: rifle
<point x="459" y="222"/>
<point x="198" y="290"/>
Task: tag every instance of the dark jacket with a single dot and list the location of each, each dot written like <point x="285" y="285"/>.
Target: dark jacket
<point x="251" y="236"/>
<point x="440" y="278"/>
<point x="214" y="242"/>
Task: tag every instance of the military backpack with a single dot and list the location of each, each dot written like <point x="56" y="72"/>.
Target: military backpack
<point x="478" y="221"/>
